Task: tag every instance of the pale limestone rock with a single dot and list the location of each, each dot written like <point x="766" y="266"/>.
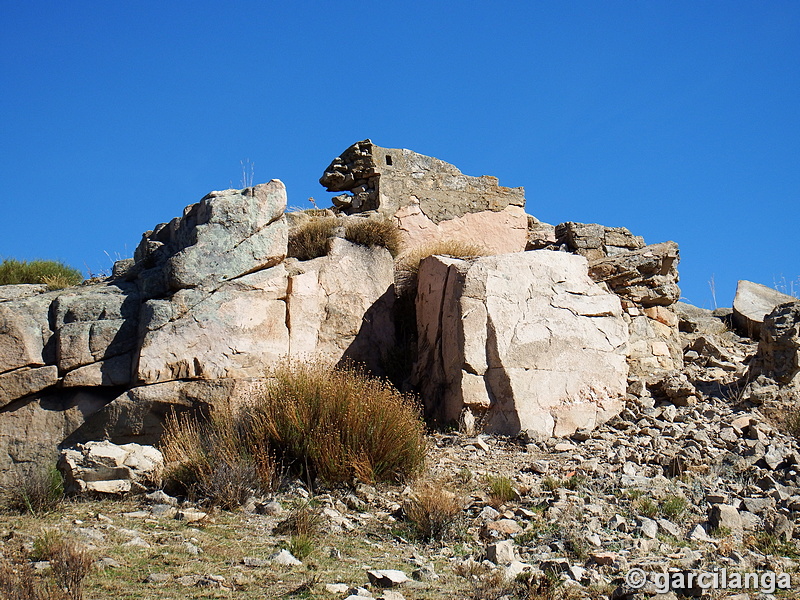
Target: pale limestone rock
<point x="527" y="340"/>
<point x="339" y="305"/>
<point x="114" y="371"/>
<point x="752" y="303"/>
<point x="25" y="381"/>
<point x="236" y="331"/>
<point x="499" y="232"/>
<point x="105" y="467"/>
<point x="31" y="433"/>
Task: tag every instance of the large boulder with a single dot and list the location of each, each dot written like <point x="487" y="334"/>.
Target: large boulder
<point x="778" y="355"/>
<point x="752" y="303"/>
<point x="32" y="428"/>
<point x="526" y="342"/>
<point x="225" y="235"/>
<point x="340" y="305"/>
<point x="106" y="468"/>
<point x="235" y="331"/>
<point x="429" y="199"/>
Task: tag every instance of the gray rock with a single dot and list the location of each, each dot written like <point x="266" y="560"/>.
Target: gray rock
<point x="752" y="303"/>
<point x="646" y="277"/>
<point x="778" y="355"/>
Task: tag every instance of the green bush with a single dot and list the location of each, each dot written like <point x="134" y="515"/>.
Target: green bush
<point x="373" y="232"/>
<point x="54" y="274"/>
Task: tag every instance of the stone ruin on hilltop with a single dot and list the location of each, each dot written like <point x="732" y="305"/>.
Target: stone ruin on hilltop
<point x="548" y="334"/>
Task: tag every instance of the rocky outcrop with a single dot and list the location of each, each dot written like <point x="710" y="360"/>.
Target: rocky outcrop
<point x="105" y="468"/>
<point x="226" y="235"/>
<point x="524" y="342"/>
<point x="596" y="241"/>
<point x="752" y="303"/>
<point x="647" y="276"/>
<point x="430" y="199"/>
<point x="203" y="310"/>
<point x="778" y="355"/>
<point x="340" y="305"/>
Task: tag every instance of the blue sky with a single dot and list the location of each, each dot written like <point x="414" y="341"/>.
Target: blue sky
<point x="679" y="120"/>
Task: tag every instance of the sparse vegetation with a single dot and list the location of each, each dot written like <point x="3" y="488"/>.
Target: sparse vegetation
<point x="374" y="232"/>
<point x="409" y="262"/>
<point x="433" y="511"/>
<point x="339" y="424"/>
<point x="37" y="492"/>
<point x="335" y="425"/>
<point x="216" y="459"/>
<point x="309" y="239"/>
<point x="501" y="490"/>
<point x="55" y="275"/>
<point x="71" y="563"/>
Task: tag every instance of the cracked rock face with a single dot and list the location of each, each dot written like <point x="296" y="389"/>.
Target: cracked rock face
<point x="778" y="354"/>
<point x="523" y="342"/>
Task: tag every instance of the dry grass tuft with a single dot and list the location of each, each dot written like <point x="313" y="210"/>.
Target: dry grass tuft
<point x="433" y="511"/>
<point x="216" y="459"/>
<point x="38" y="492"/>
<point x="71" y="563"/>
<point x="408" y="263"/>
<point x="309" y="239"/>
<point x="374" y="232"/>
<point x="334" y="425"/>
<point x="501" y="490"/>
<point x="339" y="424"/>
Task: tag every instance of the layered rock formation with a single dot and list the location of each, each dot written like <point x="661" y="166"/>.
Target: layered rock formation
<point x="532" y="341"/>
<point x="524" y="342"/>
<point x="430" y="199"/>
<point x="203" y="309"/>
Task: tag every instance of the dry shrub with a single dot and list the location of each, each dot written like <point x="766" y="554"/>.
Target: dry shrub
<point x="37" y="492"/>
<point x="216" y="459"/>
<point x="304" y="519"/>
<point x="309" y="239"/>
<point x="408" y="263"/>
<point x="433" y="511"/>
<point x="71" y="563"/>
<point x="374" y="232"/>
<point x="339" y="424"/>
<point x="19" y="582"/>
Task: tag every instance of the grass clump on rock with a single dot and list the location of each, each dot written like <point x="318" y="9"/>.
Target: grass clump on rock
<point x="374" y="232"/>
<point x="309" y="239"/>
<point x="55" y="275"/>
<point x="332" y="425"/>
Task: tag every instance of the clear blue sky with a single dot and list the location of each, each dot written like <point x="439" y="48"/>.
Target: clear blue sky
<point x="679" y="120"/>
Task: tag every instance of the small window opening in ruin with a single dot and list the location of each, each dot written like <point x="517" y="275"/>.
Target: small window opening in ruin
<point x="388" y="160"/>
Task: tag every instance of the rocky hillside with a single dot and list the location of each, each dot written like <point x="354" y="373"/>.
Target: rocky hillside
<point x="597" y="424"/>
